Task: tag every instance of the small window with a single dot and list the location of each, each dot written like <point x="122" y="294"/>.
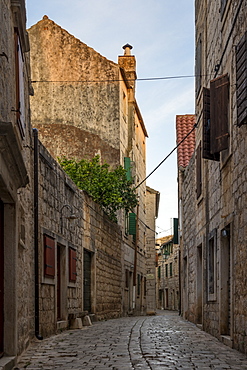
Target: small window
<point x="159" y="272"/>
<point x="49" y="256"/>
<point x="166" y="270"/>
<point x="212" y="266"/>
<point x="198" y="69"/>
<point x="72" y="265"/>
<point x="126" y="279"/>
<point x="171" y="269"/>
<point x="138" y="284"/>
<point x="127" y="167"/>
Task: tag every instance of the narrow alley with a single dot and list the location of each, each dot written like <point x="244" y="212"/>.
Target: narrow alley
<point x="144" y="342"/>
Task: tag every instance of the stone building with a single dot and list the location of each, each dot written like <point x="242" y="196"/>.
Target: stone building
<point x="153" y="198"/>
<point x="212" y="185"/>
<point x="168" y="296"/>
<point x="85" y="105"/>
<point x="16" y="224"/>
<point x="60" y="256"/>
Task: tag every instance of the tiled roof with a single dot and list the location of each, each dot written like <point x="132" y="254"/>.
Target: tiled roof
<point x="184" y="124"/>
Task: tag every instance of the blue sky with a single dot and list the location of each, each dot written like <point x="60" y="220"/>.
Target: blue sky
<point x="162" y="35"/>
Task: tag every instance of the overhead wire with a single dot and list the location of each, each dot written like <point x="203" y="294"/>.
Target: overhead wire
<point x="119" y="80"/>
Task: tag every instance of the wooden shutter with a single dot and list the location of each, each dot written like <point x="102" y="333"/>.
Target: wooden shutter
<point x="198" y="68"/>
<point x="20" y="97"/>
<point x="241" y="79"/>
<point x="175" y="231"/>
<point x="132" y="224"/>
<point x="206" y="153"/>
<point x="49" y="257"/>
<point x="198" y="171"/>
<point x="127" y="167"/>
<point x="219" y="112"/>
<point x="72" y="265"/>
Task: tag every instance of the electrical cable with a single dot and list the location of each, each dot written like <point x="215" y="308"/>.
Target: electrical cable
<point x="194" y="127"/>
<point x="118" y="80"/>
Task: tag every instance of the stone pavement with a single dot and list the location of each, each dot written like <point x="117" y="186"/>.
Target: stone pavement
<point x="164" y="341"/>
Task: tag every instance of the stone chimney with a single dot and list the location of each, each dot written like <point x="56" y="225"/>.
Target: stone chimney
<point x="128" y="63"/>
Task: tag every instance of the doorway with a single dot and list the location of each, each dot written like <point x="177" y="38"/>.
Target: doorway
<point x="58" y="283"/>
<point x="199" y="286"/>
<point x="87" y="258"/>
<point x="1" y="277"/>
<point x="225" y="281"/>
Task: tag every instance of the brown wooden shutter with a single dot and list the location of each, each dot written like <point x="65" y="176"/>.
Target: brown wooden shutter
<point x="198" y="68"/>
<point x="72" y="265"/>
<point x="241" y="79"/>
<point x="198" y="171"/>
<point x="49" y="256"/>
<point x="219" y="112"/>
<point x="206" y="153"/>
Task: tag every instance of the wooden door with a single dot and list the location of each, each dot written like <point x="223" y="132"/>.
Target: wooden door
<point x="58" y="284"/>
<point x="87" y="281"/>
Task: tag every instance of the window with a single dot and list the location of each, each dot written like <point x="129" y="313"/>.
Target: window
<point x="198" y="171"/>
<point x="127" y="167"/>
<point x="132" y="224"/>
<point x="170" y="268"/>
<point x="72" y="265"/>
<point x="159" y="272"/>
<point x="19" y="74"/>
<point x="127" y="279"/>
<point x="166" y="269"/>
<point x="138" y="284"/>
<point x="145" y="286"/>
<point x="206" y="153"/>
<point x="49" y="256"/>
<point x="215" y="117"/>
<point x="212" y="266"/>
<point x="241" y="78"/>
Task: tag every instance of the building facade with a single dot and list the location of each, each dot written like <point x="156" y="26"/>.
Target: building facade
<point x="85" y="105"/>
<point x="212" y="186"/>
<point x="168" y="274"/>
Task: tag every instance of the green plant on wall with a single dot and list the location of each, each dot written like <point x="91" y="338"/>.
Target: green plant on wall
<point x="108" y="187"/>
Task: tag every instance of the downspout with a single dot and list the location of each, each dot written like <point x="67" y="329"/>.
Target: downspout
<point x="36" y="230"/>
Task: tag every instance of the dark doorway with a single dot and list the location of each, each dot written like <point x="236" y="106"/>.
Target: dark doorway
<point x="58" y="283"/>
<point x="1" y="277"/>
<point x="87" y="280"/>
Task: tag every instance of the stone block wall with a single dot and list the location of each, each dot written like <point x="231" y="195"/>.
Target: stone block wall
<point x="91" y="230"/>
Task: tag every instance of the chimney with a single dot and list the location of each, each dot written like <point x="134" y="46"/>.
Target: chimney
<point x="128" y="63"/>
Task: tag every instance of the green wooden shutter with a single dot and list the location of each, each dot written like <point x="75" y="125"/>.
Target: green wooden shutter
<point x="127" y="167"/>
<point x="132" y="224"/>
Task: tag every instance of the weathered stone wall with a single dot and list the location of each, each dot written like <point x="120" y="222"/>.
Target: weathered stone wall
<point x="216" y="221"/>
<point x="75" y="94"/>
<point x="91" y="230"/>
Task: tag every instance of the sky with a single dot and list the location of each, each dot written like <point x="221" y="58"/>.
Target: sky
<point x="162" y="35"/>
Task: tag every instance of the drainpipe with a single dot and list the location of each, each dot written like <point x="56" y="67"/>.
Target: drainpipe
<point x="36" y="229"/>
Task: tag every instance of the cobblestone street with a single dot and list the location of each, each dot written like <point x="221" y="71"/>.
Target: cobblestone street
<point x="156" y="342"/>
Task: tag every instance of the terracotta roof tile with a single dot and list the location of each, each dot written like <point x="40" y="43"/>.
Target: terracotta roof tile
<point x="184" y="123"/>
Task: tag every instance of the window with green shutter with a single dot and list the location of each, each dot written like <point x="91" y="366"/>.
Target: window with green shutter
<point x="132" y="224"/>
<point x="127" y="167"/>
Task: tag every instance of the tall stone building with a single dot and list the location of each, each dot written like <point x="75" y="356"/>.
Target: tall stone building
<point x="212" y="185"/>
<point x="16" y="207"/>
<point x="85" y="105"/>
